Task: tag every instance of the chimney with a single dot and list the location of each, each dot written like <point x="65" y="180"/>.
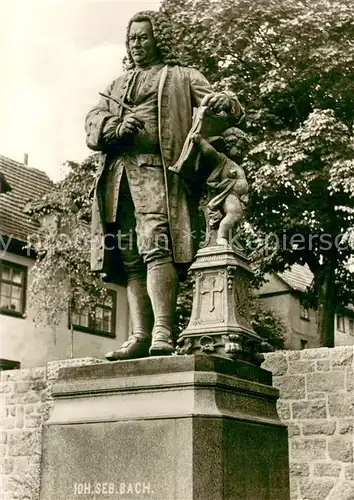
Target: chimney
<point x="25" y="159"/>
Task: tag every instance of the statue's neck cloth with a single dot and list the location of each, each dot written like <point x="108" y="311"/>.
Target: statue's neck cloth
<point x="141" y="82"/>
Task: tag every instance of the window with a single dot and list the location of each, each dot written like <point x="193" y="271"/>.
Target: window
<point x="340" y="323"/>
<point x="9" y="364"/>
<point x="303" y="344"/>
<point x="304" y="312"/>
<point x="13" y="283"/>
<point x="102" y="321"/>
<point x="351" y="326"/>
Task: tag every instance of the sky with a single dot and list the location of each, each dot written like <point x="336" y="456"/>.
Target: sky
<point x="55" y="56"/>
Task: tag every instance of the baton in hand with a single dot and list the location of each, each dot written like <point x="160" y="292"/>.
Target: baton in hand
<point x="120" y="103"/>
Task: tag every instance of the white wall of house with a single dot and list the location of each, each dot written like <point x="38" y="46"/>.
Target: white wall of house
<point x="299" y="329"/>
<point x="21" y="340"/>
<point x="344" y="330"/>
<point x="299" y="333"/>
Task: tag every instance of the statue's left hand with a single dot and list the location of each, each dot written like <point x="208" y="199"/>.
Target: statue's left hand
<point x="217" y="101"/>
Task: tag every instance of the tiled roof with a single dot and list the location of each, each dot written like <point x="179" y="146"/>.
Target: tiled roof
<point x="27" y="184"/>
<point x="298" y="277"/>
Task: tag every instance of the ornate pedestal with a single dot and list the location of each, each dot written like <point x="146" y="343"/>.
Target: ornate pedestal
<point x="220" y="321"/>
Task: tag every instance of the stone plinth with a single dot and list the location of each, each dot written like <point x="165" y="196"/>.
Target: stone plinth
<point x="175" y="428"/>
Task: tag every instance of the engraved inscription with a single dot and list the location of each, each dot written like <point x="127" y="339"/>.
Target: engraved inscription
<point x="129" y="490"/>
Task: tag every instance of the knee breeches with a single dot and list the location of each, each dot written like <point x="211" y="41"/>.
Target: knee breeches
<point x="141" y="227"/>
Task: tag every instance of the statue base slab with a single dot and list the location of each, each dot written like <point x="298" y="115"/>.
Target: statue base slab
<point x="167" y="428"/>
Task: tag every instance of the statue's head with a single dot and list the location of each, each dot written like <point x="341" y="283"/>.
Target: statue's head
<point x="149" y="39"/>
<point x="236" y="143"/>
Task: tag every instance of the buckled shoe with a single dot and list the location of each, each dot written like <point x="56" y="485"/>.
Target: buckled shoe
<point x="135" y="347"/>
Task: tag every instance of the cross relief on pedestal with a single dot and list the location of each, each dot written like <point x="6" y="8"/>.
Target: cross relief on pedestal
<point x="208" y="286"/>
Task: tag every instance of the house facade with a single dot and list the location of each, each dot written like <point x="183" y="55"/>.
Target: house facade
<point x="344" y="325"/>
<point x="22" y="343"/>
<point x="284" y="292"/>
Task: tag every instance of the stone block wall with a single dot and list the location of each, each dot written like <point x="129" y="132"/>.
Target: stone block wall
<point x="25" y="404"/>
<point x="317" y="404"/>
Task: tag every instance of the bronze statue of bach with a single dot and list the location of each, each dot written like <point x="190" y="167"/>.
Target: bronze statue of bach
<point x="140" y="125"/>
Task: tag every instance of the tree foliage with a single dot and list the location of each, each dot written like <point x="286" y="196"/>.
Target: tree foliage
<point x="269" y="326"/>
<point x="61" y="277"/>
<point x="292" y="65"/>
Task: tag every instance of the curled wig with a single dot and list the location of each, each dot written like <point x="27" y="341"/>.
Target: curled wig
<point x="162" y="31"/>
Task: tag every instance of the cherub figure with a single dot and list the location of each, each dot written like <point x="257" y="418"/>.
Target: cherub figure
<point x="227" y="182"/>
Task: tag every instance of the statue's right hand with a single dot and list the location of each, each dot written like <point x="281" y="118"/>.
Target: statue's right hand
<point x="129" y="126"/>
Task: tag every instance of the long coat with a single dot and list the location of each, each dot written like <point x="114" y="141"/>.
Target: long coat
<point x="180" y="89"/>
